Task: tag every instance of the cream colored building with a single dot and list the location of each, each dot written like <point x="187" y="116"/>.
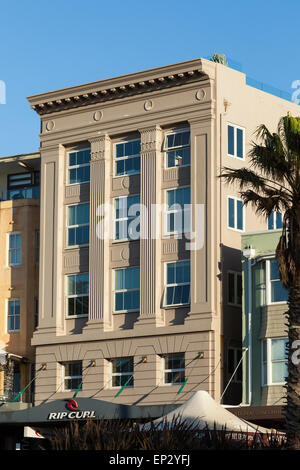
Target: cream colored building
<point x="149" y="314"/>
<point x="19" y="272"/>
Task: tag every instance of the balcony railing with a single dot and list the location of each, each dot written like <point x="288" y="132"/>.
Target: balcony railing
<point x="32" y="192"/>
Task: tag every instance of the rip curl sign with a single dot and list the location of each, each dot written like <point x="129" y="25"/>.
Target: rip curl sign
<point x="73" y="412"/>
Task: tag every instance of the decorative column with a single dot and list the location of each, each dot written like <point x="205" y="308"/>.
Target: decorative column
<point x="52" y="227"/>
<point x="100" y="185"/>
<point x="150" y="243"/>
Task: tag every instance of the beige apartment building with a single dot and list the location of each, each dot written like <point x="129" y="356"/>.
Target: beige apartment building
<point x="145" y="320"/>
<point x="19" y="273"/>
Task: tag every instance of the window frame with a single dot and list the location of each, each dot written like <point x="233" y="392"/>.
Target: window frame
<point x="119" y="374"/>
<point x="268" y="296"/>
<point x="114" y="271"/>
<point x="235" y="199"/>
<point x="268" y="363"/>
<point x="165" y="305"/>
<point x="236" y="275"/>
<point x="167" y="149"/>
<point x="126" y="157"/>
<point x="164" y="370"/>
<point x="67" y="246"/>
<point x="10" y="265"/>
<point x="15" y="330"/>
<point x="274" y="215"/>
<point x="243" y="129"/>
<point x="166" y="212"/>
<point x="64" y="376"/>
<point x="115" y="220"/>
<point x="67" y="296"/>
<point x="68" y="167"/>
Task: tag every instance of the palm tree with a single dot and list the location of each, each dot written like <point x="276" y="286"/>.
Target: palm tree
<point x="272" y="183"/>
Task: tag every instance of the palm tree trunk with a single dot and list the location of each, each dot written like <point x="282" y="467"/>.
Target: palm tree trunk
<point x="292" y="408"/>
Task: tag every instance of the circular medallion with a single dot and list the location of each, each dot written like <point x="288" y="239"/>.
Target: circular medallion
<point x="98" y="115"/>
<point x="50" y="125"/>
<point x="148" y="105"/>
<point x="200" y="95"/>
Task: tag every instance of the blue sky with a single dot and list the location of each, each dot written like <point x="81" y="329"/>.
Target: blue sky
<point x="50" y="45"/>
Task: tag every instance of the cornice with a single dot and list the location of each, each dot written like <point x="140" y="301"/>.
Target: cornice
<point x="121" y="87"/>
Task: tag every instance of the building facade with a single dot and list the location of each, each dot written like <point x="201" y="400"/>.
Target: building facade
<point x="264" y="329"/>
<point x="19" y="272"/>
<point x="140" y="319"/>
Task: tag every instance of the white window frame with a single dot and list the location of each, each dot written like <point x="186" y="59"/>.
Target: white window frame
<point x="15" y="249"/>
<point x="167" y="149"/>
<point x="7" y="317"/>
<point x="119" y="374"/>
<point x="114" y="271"/>
<point x="67" y="246"/>
<point x="64" y="376"/>
<point x="115" y="220"/>
<point x="167" y="212"/>
<point x="125" y="157"/>
<point x="175" y="284"/>
<point x="269" y="362"/>
<point x="236" y="360"/>
<point x="164" y="370"/>
<point x="235" y="127"/>
<point x="235" y="214"/>
<point x="75" y="166"/>
<point x="274" y="213"/>
<point x="67" y="297"/>
<point x="236" y="275"/>
<point x="268" y="285"/>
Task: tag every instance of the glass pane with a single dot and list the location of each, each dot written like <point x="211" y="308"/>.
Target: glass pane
<point x="185" y="294"/>
<point x="82" y="235"/>
<point x="170" y="295"/>
<point x="82" y="283"/>
<point x="271" y="221"/>
<point x="278" y="292"/>
<point x="239" y="143"/>
<point x="82" y="213"/>
<point x="279" y="349"/>
<point x="119" y="301"/>
<point x="239" y="208"/>
<point x="239" y="289"/>
<point x="274" y="273"/>
<point x="122" y="365"/>
<point x="230" y="140"/>
<point x="71" y="306"/>
<point x="279" y="372"/>
<point x="132" y="278"/>
<point x="278" y="220"/>
<point x="120" y="167"/>
<point x="132" y="300"/>
<point x="231" y="212"/>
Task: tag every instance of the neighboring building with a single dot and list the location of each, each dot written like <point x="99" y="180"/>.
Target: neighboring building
<point x="149" y="314"/>
<point x="19" y="271"/>
<point x="264" y="326"/>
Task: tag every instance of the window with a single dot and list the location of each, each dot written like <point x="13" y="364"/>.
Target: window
<point x="23" y="180"/>
<point x="14" y="249"/>
<point x="127" y="157"/>
<point x="234" y="357"/>
<point x="234" y="285"/>
<point x="127" y="289"/>
<point x="274" y="361"/>
<point x="13" y="315"/>
<point x="177" y="148"/>
<point x="77" y="294"/>
<point x="177" y="283"/>
<point x="275" y="290"/>
<point x="178" y="210"/>
<point x="275" y="221"/>
<point x="72" y="375"/>
<point x="235" y="213"/>
<point x="127" y="225"/>
<point x="236" y="141"/>
<point x="173" y="369"/>
<point x="122" y="372"/>
<point x="78" y="166"/>
<point x="78" y="224"/>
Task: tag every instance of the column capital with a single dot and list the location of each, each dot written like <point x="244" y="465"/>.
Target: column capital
<point x="151" y="138"/>
<point x="99" y="147"/>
